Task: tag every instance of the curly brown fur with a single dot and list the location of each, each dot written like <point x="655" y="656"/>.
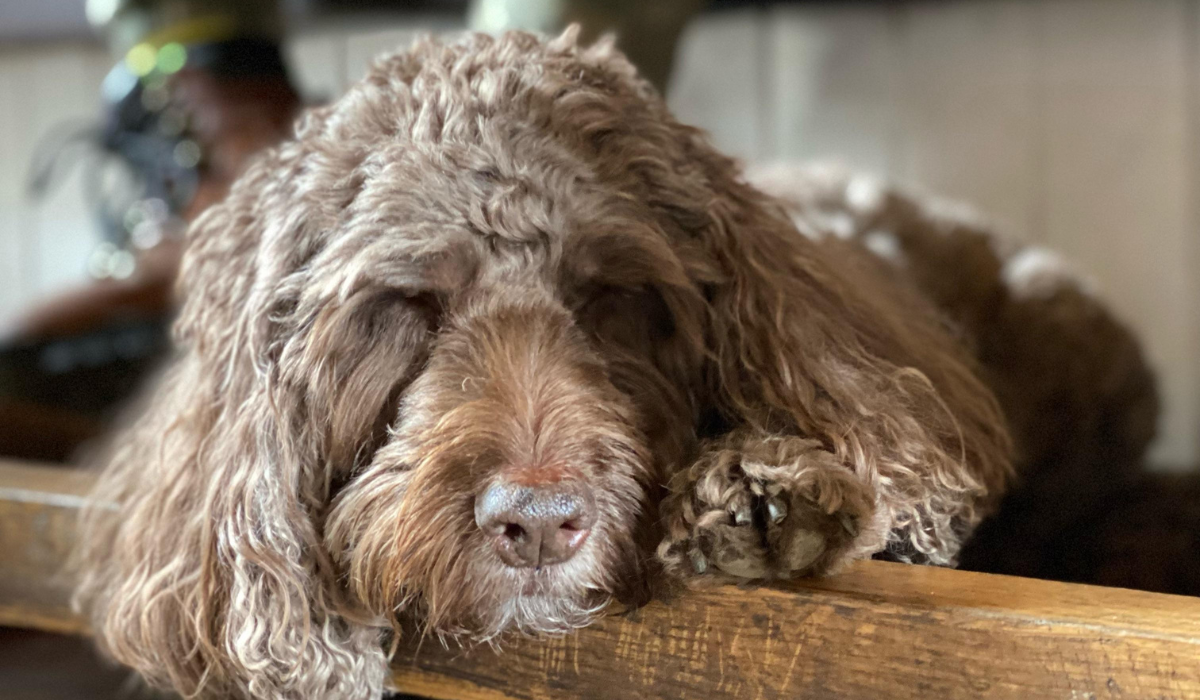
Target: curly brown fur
<point x="497" y="255"/>
<point x="1078" y="395"/>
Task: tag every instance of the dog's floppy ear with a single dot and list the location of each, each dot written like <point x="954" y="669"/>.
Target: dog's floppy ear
<point x="202" y="565"/>
<point x="806" y="340"/>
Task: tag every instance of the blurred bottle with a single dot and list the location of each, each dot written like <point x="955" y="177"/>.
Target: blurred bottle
<point x="646" y="30"/>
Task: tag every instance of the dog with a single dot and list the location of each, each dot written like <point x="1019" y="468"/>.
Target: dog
<point x="496" y="340"/>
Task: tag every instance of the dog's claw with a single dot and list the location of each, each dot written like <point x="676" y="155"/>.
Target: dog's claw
<point x="741" y="509"/>
<point x="699" y="562"/>
<point x="776" y="509"/>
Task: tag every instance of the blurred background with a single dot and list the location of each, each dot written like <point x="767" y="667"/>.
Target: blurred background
<point x="1073" y="124"/>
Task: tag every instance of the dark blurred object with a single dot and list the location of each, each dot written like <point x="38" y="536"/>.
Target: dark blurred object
<point x="83" y="373"/>
<point x="1139" y="531"/>
<point x="33" y="431"/>
<point x="127" y="24"/>
<point x="41" y="665"/>
<point x="59" y="390"/>
<point x="199" y="87"/>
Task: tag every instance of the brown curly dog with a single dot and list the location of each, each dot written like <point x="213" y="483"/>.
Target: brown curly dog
<point x="495" y="339"/>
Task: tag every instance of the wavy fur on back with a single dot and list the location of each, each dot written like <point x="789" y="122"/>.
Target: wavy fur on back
<point x="501" y="254"/>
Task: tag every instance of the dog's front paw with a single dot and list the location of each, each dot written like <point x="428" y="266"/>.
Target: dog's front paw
<point x="775" y="507"/>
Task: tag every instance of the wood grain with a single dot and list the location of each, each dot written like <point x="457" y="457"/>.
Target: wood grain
<point x="876" y="631"/>
<point x="38" y="505"/>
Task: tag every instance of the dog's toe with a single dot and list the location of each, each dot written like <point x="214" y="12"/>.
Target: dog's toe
<point x="741" y="507"/>
<point x="737" y="550"/>
<point x="799" y="540"/>
<point x="765" y="530"/>
<point x="777" y="510"/>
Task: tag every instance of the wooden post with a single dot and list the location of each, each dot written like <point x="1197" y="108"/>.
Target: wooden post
<point x="876" y="631"/>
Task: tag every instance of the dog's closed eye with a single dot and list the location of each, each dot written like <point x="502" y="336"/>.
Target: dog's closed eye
<point x="381" y="311"/>
<point x="357" y="357"/>
<point x="627" y="317"/>
<point x="431" y="306"/>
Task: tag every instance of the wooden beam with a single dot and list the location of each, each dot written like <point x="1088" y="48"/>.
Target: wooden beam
<point x="38" y="506"/>
<point x="876" y="631"/>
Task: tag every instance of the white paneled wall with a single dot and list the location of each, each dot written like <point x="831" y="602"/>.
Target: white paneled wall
<point x="43" y="87"/>
<point x="719" y="78"/>
<point x="834" y="76"/>
<point x="1189" y="422"/>
<point x="1072" y="123"/>
<point x="966" y="106"/>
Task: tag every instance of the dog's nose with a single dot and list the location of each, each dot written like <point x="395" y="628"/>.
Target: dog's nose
<point x="536" y="523"/>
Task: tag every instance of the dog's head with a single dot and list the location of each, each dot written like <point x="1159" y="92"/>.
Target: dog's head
<point x="491" y="327"/>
